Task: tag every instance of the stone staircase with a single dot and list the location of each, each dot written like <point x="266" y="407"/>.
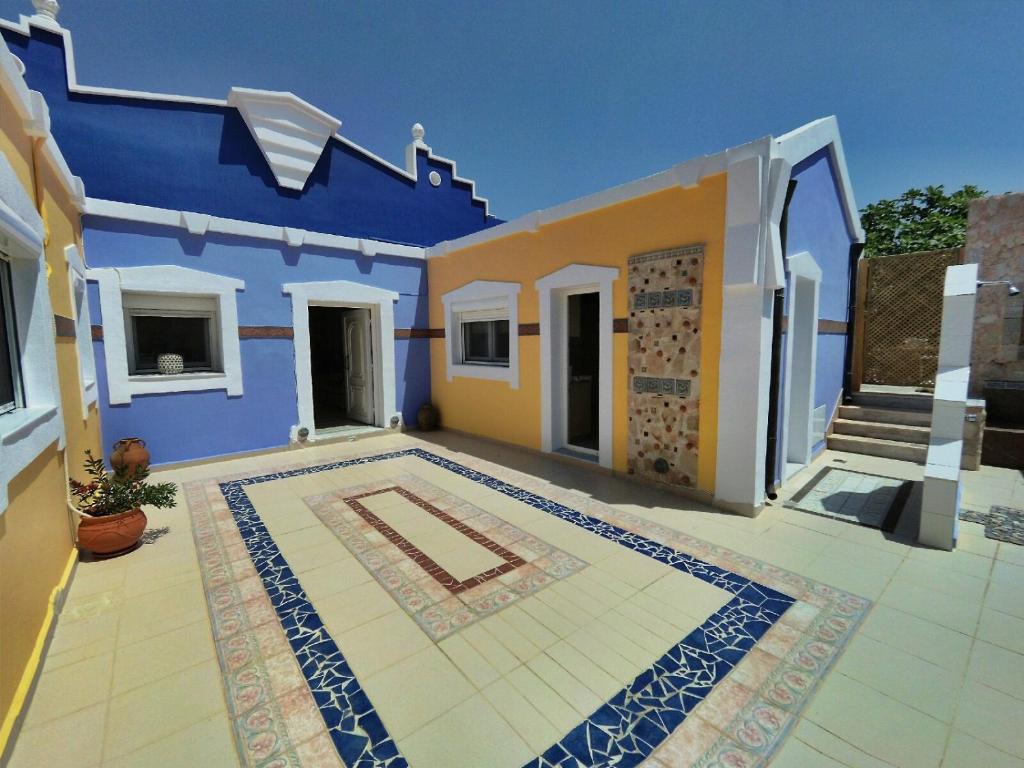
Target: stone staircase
<point x="893" y="426"/>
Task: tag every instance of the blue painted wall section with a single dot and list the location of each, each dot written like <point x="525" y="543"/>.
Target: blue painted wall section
<point x="817" y="224"/>
<point x="191" y="425"/>
<point x="203" y="158"/>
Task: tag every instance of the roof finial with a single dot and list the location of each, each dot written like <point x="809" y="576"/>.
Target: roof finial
<point x="46" y="9"/>
<point x="417" y="132"/>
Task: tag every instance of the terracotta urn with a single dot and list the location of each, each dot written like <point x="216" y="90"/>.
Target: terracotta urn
<point x="129" y="453"/>
<point x="111" y="534"/>
<point x="426" y="417"/>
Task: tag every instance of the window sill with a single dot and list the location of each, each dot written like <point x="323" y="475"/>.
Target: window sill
<point x="24" y="434"/>
<point x="481" y="371"/>
<point x="195" y="375"/>
<point x="160" y="384"/>
<point x="18" y="424"/>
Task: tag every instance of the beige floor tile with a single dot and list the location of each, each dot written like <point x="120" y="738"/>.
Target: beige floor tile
<point x="157" y="657"/>
<point x="380" y="643"/>
<point x="163" y="611"/>
<point x="411" y="693"/>
<point x="637" y="570"/>
<point x="696" y="598"/>
<point x="965" y="751"/>
<point x="1010" y="553"/>
<point x="876" y="724"/>
<point x="797" y="754"/>
<point x="545" y="699"/>
<point x="584" y="669"/>
<point x="317" y="556"/>
<point x="1004" y="598"/>
<point x="858" y="579"/>
<point x="903" y="677"/>
<point x="100" y="576"/>
<point x="583" y="700"/>
<point x="992" y="717"/>
<point x="522" y="714"/>
<point x="70" y="688"/>
<point x="150" y="713"/>
<point x="75" y="739"/>
<point x="940" y="645"/>
<point x="469" y="661"/>
<point x="958" y="560"/>
<point x="472" y="735"/>
<point x="92" y="634"/>
<point x="997" y="668"/>
<point x="528" y="626"/>
<point x="334" y="577"/>
<point x="955" y="584"/>
<point x="932" y="606"/>
<point x="291" y="544"/>
<point x="1002" y="629"/>
<point x="832" y="746"/>
<point x="550" y="618"/>
<point x="620" y="668"/>
<point x="518" y="644"/>
<point x="977" y="544"/>
<point x="492" y="649"/>
<point x="1008" y="574"/>
<point x="206" y="743"/>
<point x="356" y="606"/>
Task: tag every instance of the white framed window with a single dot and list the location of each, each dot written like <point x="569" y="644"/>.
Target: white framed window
<point x="10" y="364"/>
<point x="481" y="331"/>
<point x="168" y="309"/>
<point x="83" y="328"/>
<point x="157" y="324"/>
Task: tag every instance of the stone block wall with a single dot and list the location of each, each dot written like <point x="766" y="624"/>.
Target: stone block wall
<point x="995" y="242"/>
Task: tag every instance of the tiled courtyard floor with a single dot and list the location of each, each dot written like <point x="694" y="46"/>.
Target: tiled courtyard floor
<point x="417" y="607"/>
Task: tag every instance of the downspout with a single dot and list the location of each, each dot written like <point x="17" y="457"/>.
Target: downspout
<point x="851" y="316"/>
<point x="778" y="307"/>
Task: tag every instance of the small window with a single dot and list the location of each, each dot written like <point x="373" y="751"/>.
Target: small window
<point x="164" y="323"/>
<point x="10" y="375"/>
<point x="485" y="341"/>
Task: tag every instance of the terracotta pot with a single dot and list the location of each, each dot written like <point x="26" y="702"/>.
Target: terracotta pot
<point x="129" y="453"/>
<point x="111" y="534"/>
<point x="426" y="417"/>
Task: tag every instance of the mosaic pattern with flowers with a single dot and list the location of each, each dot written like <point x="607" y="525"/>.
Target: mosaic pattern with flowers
<point x="726" y="694"/>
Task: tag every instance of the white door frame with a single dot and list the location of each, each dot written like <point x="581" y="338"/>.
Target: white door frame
<point x="801" y="359"/>
<point x="553" y="290"/>
<point x="345" y="293"/>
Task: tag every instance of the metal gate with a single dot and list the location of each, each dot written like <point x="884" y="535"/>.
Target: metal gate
<point x="903" y="316"/>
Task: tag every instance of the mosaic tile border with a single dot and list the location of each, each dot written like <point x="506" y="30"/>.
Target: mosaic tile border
<point x="1001" y="523"/>
<point x="625" y="730"/>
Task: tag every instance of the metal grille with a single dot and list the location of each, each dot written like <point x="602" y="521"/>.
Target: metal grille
<point x="903" y="316"/>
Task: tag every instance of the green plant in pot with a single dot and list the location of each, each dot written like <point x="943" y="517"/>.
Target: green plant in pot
<point x="111" y="519"/>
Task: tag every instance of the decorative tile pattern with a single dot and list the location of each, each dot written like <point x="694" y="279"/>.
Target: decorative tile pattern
<point x="421" y="586"/>
<point x="279" y="660"/>
<point x="1001" y="523"/>
<point x="664" y="362"/>
<point x="854" y="497"/>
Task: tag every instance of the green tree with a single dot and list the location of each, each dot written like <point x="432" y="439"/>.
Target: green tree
<point x="918" y="220"/>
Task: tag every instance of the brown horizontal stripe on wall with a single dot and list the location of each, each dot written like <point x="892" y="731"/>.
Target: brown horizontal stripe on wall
<point x="97" y="333"/>
<point x="414" y="333"/>
<point x="620" y="325"/>
<point x="65" y="327"/>
<point x="831" y="326"/>
<point x="265" y="332"/>
<point x="529" y="329"/>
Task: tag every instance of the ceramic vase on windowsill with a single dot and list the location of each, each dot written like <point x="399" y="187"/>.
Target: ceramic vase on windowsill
<point x="170" y="363"/>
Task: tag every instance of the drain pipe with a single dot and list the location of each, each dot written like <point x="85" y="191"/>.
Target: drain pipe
<point x="778" y="307"/>
<point x="851" y="316"/>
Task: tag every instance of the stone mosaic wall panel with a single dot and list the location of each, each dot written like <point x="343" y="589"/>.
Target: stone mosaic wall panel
<point x="664" y="363"/>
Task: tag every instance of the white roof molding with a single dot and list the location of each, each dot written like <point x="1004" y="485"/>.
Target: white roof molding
<point x="291" y="133"/>
<point x="201" y="223"/>
<point x="24" y="27"/>
<point x="808" y="139"/>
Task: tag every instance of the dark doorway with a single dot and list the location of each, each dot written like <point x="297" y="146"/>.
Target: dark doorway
<point x="341" y="366"/>
<point x="584" y="353"/>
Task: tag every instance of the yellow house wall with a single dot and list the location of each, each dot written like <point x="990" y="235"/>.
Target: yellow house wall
<point x="36" y="538"/>
<point x="606" y="237"/>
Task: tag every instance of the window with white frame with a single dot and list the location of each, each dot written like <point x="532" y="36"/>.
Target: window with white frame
<point x="485" y="338"/>
<point x="158" y="324"/>
<point x="10" y="373"/>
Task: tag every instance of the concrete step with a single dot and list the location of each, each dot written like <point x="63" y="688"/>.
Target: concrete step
<point x="906" y="402"/>
<point x="880" y="431"/>
<point x="888" y="449"/>
<point x="886" y="415"/>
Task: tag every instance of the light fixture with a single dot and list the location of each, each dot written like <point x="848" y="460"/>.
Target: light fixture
<point x="1011" y="288"/>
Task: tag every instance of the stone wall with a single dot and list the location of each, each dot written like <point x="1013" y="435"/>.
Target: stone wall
<point x="995" y="241"/>
<point x="664" y="364"/>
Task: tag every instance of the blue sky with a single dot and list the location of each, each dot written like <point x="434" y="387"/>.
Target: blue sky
<point x="544" y="102"/>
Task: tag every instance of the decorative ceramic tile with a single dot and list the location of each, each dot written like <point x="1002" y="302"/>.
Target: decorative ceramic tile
<point x="774" y="638"/>
<point x="527" y="563"/>
<point x="1001" y="523"/>
<point x="855" y="497"/>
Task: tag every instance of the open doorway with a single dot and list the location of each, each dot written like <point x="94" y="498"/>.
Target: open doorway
<point x="582" y="376"/>
<point x="341" y="366"/>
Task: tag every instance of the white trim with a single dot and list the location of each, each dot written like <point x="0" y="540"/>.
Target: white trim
<point x="797" y="439"/>
<point x="344" y="293"/>
<point x="474" y="296"/>
<point x="25" y="23"/>
<point x="411" y="168"/>
<point x="83" y="329"/>
<point x="553" y="288"/>
<point x="170" y="280"/>
<point x="26" y="431"/>
<point x="201" y="223"/>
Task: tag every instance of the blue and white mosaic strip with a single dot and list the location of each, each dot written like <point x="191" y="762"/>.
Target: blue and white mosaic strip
<point x="622" y="732"/>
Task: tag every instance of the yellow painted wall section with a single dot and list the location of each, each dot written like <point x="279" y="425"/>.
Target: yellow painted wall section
<point x="606" y="237"/>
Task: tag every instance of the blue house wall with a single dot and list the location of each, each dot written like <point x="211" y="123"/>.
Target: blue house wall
<point x="817" y="224"/>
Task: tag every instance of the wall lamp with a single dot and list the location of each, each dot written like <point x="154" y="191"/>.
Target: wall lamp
<point x="1013" y="289"/>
